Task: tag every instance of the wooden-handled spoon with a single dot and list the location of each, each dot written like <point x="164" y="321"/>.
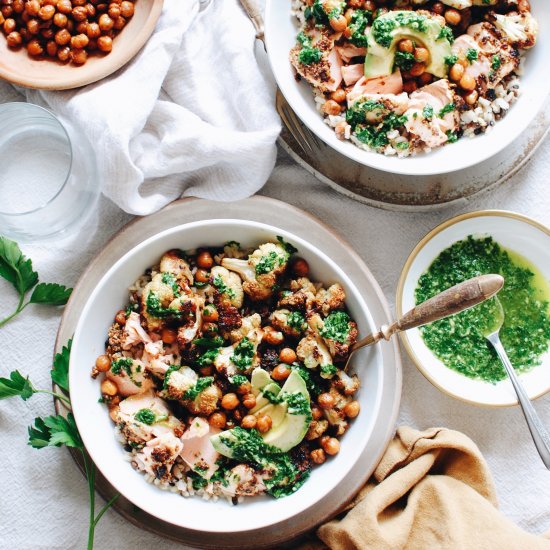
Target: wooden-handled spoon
<point x="453" y="300"/>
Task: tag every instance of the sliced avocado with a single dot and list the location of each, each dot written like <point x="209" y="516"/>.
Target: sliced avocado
<point x="262" y="401"/>
<point x="276" y="412"/>
<point x="390" y="28"/>
<point x="259" y="379"/>
<point x="295" y="424"/>
<point x="220" y="446"/>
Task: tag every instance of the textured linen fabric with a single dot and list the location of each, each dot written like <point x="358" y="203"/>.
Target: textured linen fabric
<point x="191" y="114"/>
<point x="432" y="489"/>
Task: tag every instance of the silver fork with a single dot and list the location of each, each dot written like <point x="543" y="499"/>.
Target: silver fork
<point x="307" y="141"/>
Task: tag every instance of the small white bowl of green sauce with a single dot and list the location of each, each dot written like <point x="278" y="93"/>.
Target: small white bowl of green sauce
<point x="452" y="353"/>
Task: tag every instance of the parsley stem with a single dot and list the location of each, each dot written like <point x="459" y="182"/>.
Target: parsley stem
<point x="105" y="508"/>
<point x="20" y="307"/>
<point x="56" y="395"/>
<point x="90" y="476"/>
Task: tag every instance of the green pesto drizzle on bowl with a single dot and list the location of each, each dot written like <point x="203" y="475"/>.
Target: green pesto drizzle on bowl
<point x="458" y="341"/>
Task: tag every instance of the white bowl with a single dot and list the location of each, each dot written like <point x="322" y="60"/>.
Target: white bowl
<point x="512" y="231"/>
<point x="97" y="430"/>
<point x="280" y="34"/>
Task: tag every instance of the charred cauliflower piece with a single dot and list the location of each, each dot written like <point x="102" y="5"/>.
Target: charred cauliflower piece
<point x="336" y="416"/>
<point x="172" y="263"/>
<point x="346" y="384"/>
<point x="251" y="327"/>
<point x="193" y="321"/>
<point x="316" y="429"/>
<point x="206" y="400"/>
<point x="313" y="352"/>
<point x="292" y="323"/>
<point x="330" y="299"/>
<point x="519" y="29"/>
<point x="177" y="381"/>
<point x="242" y="480"/>
<point x="300" y="296"/>
<point x="261" y="271"/>
<point x="337" y="330"/>
<point x="228" y="284"/>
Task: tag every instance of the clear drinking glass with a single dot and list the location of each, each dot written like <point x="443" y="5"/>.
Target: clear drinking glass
<point x="48" y="174"/>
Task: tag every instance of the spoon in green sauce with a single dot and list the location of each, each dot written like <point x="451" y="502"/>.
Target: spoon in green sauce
<point x="538" y="432"/>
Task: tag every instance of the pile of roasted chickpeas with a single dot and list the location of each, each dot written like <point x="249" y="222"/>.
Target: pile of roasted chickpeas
<point x="66" y="30"/>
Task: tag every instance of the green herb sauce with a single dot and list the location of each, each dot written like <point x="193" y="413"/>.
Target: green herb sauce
<point x="458" y="341"/>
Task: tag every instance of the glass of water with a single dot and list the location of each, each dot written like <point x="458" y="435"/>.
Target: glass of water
<point x="48" y="174"/>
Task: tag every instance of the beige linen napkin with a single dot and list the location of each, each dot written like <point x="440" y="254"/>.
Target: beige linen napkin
<point x="431" y="490"/>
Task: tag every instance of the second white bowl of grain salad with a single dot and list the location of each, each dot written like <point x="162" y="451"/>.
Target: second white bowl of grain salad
<point x="412" y="87"/>
<point x="217" y="387"/>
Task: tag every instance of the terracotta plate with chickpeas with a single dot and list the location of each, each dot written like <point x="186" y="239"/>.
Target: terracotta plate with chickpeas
<point x="62" y="44"/>
<point x="210" y="357"/>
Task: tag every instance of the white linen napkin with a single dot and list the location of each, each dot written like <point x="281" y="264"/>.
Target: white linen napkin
<point x="193" y="114"/>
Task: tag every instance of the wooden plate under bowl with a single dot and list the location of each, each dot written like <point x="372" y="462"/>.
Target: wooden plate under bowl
<point x="17" y="67"/>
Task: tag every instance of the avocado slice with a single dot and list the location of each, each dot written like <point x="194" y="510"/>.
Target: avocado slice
<point x="220" y="446"/>
<point x="390" y="28"/>
<point x="262" y="401"/>
<point x="259" y="379"/>
<point x="295" y="424"/>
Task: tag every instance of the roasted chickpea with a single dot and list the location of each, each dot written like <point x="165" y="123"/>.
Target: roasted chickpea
<point x="127" y="9"/>
<point x="467" y="82"/>
<point x="205" y="260"/>
<point x="210" y="329"/>
<point x="417" y="69"/>
<point x="18" y="6"/>
<point x="79" y="2"/>
<point x="331" y="446"/>
<point x="272" y="336"/>
<point x="14" y="39"/>
<point x="406" y="45"/>
<point x="9" y="25"/>
<point x="230" y="401"/>
<point x="351" y="410"/>
<point x="325" y="401"/>
<point x="288" y="356"/>
<point x="32" y="7"/>
<point x="64" y="6"/>
<point x="105" y="22"/>
<point x="339" y="23"/>
<point x="113" y="413"/>
<point x="109" y="388"/>
<point x="120" y="317"/>
<point x="348" y="14"/>
<point x="217" y="420"/>
<point x="81" y="27"/>
<point x="90" y="10"/>
<point x="453" y="17"/>
<point x="34" y="48"/>
<point x="114" y="11"/>
<point x="62" y="37"/>
<point x="33" y="26"/>
<point x="120" y="23"/>
<point x="316" y="412"/>
<point x="169" y="335"/>
<point x="210" y="314"/>
<point x="264" y="423"/>
<point x="330" y="107"/>
<point x="421" y="55"/>
<point x="93" y="31"/>
<point x="245" y="388"/>
<point x="456" y="72"/>
<point x="103" y="363"/>
<point x="425" y="78"/>
<point x="300" y="267"/>
<point x="409" y="86"/>
<point x="472" y="97"/>
<point x="60" y="20"/>
<point x="79" y="41"/>
<point x="51" y="48"/>
<point x="357" y="4"/>
<point x="438" y="8"/>
<point x="63" y="53"/>
<point x="524" y="5"/>
<point x="46" y="13"/>
<point x="339" y="96"/>
<point x="6" y="10"/>
<point x="206" y="371"/>
<point x="280" y="372"/>
<point x="318" y="456"/>
<point x="79" y="57"/>
<point x="249" y="401"/>
<point x="249" y="422"/>
<point x="79" y="13"/>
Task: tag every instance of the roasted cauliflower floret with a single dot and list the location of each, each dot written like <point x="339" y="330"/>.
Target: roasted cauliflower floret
<point x="249" y="327"/>
<point x="228" y="284"/>
<point x="206" y="401"/>
<point x="191" y="326"/>
<point x="242" y="480"/>
<point x="336" y="416"/>
<point x="519" y="29"/>
<point x="313" y="352"/>
<point x="173" y="263"/>
<point x="316" y="429"/>
<point x="346" y="384"/>
<point x="261" y="271"/>
<point x="300" y="296"/>
<point x="337" y="330"/>
<point x="332" y="298"/>
<point x="178" y="381"/>
<point x="292" y="323"/>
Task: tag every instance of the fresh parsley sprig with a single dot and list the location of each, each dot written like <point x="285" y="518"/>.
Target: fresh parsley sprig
<point x="18" y="270"/>
<point x="56" y="431"/>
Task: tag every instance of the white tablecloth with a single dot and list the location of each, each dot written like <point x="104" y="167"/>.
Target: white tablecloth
<point x="44" y="501"/>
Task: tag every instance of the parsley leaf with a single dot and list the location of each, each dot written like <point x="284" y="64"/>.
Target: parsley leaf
<point x="16" y="385"/>
<point x="449" y="108"/>
<point x="471" y="55"/>
<point x="50" y="293"/>
<point x="60" y="371"/>
<point x="209" y="343"/>
<point x="428" y="112"/>
<point x="451" y="60"/>
<point x="404" y="60"/>
<point x="496" y="62"/>
<point x="54" y="431"/>
<point x="287" y="246"/>
<point x="145" y="416"/>
<point x="359" y="21"/>
<point x="308" y="54"/>
<point x="244" y="353"/>
<point x="336" y="327"/>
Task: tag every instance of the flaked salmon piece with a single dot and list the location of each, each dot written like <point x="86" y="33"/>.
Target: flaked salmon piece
<point x="349" y="51"/>
<point x="398" y="103"/>
<point x="392" y="84"/>
<point x="159" y="454"/>
<point x="479" y="69"/>
<point x="352" y="73"/>
<point x="503" y="57"/>
<point x="198" y="452"/>
<point x="426" y="119"/>
<point x="243" y="480"/>
<point x="137" y="381"/>
<point x="134" y="333"/>
<point x="326" y="74"/>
